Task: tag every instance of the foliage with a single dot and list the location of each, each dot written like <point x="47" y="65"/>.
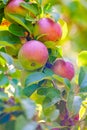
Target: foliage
<point x="41" y="99"/>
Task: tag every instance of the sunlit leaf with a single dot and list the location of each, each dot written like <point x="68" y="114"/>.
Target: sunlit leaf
<point x="21" y="21"/>
<point x="6" y="39"/>
<point x="82" y="58"/>
<point x="7" y="57"/>
<point x="64" y="28"/>
<point x="33" y="8"/>
<point x="2" y="61"/>
<point x="51" y="113"/>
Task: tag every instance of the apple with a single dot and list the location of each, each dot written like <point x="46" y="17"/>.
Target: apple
<point x="33" y="55"/>
<point x="14" y="7"/>
<point x="63" y="68"/>
<point x="48" y="29"/>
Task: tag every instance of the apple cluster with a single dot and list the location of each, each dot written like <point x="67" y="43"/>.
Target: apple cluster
<point x="34" y="54"/>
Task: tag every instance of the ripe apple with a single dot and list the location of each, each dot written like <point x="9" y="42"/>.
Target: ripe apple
<point x="14" y="7"/>
<point x="63" y="68"/>
<point x="33" y="55"/>
<point x="50" y="30"/>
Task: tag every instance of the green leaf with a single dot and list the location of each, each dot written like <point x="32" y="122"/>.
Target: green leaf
<point x="48" y="72"/>
<point x="67" y="83"/>
<point x="52" y="97"/>
<point x="33" y="8"/>
<point x="51" y="113"/>
<point x="55" y="15"/>
<point x="10" y="125"/>
<point x="32" y="125"/>
<point x="30" y="89"/>
<point x="83" y="79"/>
<point x="29" y="107"/>
<point x="76" y="104"/>
<point x="3" y="96"/>
<point x="30" y="18"/>
<point x="3" y="80"/>
<point x="82" y="58"/>
<point x="44" y="90"/>
<point x="2" y="61"/>
<point x="1" y="13"/>
<point x="17" y="30"/>
<point x="58" y="78"/>
<point x="7" y="57"/>
<point x="22" y="120"/>
<point x="49" y="9"/>
<point x="21" y="21"/>
<point x="6" y="39"/>
<point x="4" y="1"/>
<point x="49" y="44"/>
<point x="70" y="98"/>
<point x="35" y="78"/>
<point x="56" y="52"/>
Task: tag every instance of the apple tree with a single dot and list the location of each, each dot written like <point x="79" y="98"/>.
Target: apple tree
<point x="43" y="65"/>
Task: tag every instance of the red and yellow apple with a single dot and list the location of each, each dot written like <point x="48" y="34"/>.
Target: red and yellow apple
<point x="63" y="68"/>
<point x="14" y="7"/>
<point x="48" y="29"/>
<point x="33" y="55"/>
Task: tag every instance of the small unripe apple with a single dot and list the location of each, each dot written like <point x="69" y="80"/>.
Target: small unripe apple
<point x="50" y="30"/>
<point x="63" y="68"/>
<point x="33" y="55"/>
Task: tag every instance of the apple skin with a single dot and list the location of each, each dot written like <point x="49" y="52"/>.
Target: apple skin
<point x="33" y="55"/>
<point x="50" y="30"/>
<point x="63" y="68"/>
<point x="14" y="7"/>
